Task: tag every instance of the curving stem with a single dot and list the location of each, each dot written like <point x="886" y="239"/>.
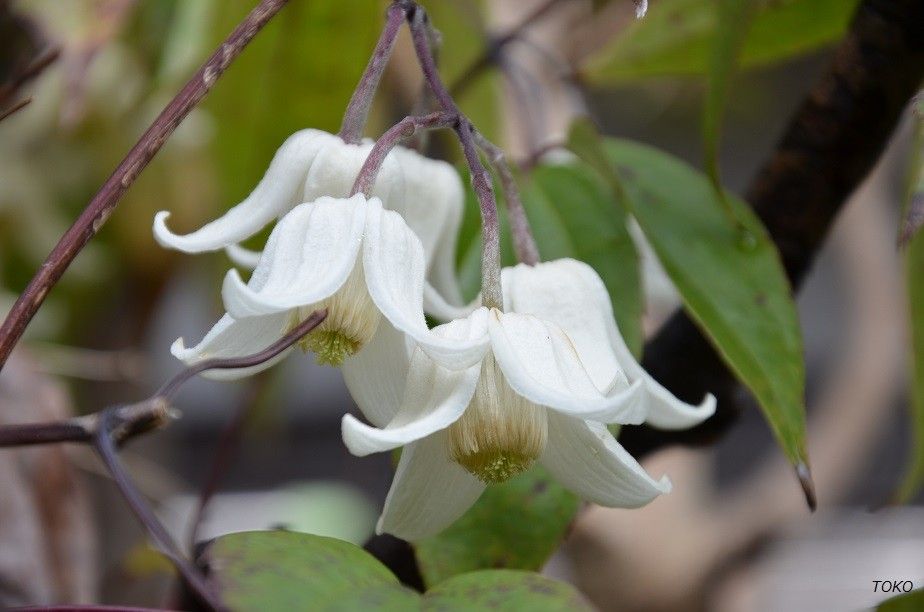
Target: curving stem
<point x="357" y="111"/>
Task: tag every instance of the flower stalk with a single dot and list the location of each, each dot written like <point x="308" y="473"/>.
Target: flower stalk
<point x="357" y="111"/>
<point x="491" y="295"/>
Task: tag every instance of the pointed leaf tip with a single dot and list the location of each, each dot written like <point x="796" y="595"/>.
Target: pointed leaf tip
<point x="804" y="474"/>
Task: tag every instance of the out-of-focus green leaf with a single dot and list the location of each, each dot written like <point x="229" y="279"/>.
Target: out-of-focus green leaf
<point x="504" y="591"/>
<point x="735" y="290"/>
<point x="677" y="36"/>
<point x="299" y="72"/>
<point x="515" y="525"/>
<point x="281" y="570"/>
<point x="618" y="261"/>
<point x="734" y="19"/>
<point x="912" y="217"/>
<point x="909" y="602"/>
<point x="914" y="274"/>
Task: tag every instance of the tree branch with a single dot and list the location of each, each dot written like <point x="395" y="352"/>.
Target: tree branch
<point x="97" y="212"/>
<point x="832" y="142"/>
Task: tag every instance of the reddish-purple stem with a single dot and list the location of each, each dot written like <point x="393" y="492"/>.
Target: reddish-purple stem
<point x="401" y="131"/>
<point x="354" y="119"/>
<point x="95" y="215"/>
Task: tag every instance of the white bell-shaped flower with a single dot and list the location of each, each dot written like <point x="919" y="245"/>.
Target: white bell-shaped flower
<point x="571" y="294"/>
<point x="527" y="399"/>
<point x="311" y="164"/>
<point x="360" y="262"/>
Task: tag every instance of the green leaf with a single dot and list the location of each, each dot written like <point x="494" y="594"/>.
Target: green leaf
<point x="501" y="590"/>
<point x="909" y="602"/>
<point x="620" y="267"/>
<point x="298" y="73"/>
<point x="515" y="525"/>
<point x="281" y="570"/>
<point x="734" y="19"/>
<point x="677" y="36"/>
<point x="735" y="290"/>
<point x="914" y="275"/>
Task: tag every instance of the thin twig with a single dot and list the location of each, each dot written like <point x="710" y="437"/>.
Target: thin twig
<point x="495" y="46"/>
<point x="35" y="68"/>
<point x="228" y="442"/>
<point x="106" y="448"/>
<point x="354" y="119"/>
<point x="15" y="108"/>
<point x="401" y="131"/>
<point x="169" y="389"/>
<point x="97" y="212"/>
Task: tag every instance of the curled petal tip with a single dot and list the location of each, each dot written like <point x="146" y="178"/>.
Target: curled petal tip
<point x="804" y="474"/>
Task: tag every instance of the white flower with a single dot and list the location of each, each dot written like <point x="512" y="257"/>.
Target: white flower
<point x="311" y="164"/>
<point x="354" y="258"/>
<point x="572" y="295"/>
<point x="528" y="398"/>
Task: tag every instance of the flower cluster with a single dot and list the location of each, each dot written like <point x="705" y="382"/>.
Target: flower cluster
<point x="474" y="401"/>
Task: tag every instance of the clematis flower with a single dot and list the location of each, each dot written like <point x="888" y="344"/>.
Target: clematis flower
<point x="527" y="399"/>
<point x="571" y="294"/>
<point x="360" y="262"/>
<point x="311" y="164"/>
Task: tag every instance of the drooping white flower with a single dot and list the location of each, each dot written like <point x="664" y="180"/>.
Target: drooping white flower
<point x="311" y="164"/>
<point x="528" y="398"/>
<point x="571" y="294"/>
<point x="360" y="262"/>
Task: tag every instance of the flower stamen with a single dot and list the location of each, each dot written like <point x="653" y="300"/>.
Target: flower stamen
<point x="500" y="434"/>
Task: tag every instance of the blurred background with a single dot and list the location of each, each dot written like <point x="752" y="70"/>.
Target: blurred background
<point x="734" y="534"/>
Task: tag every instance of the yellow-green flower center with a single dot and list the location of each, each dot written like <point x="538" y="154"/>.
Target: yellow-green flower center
<point x="500" y="434"/>
<point x="352" y="319"/>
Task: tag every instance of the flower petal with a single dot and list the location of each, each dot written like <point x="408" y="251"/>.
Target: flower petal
<point x="235" y="338"/>
<point x="586" y="458"/>
<point x="434" y="398"/>
<point x="572" y="295"/>
<point x="376" y="375"/>
<point x="432" y="206"/>
<point x="308" y="256"/>
<point x="277" y="192"/>
<point x="393" y="263"/>
<point x="429" y="492"/>
<point x="434" y="304"/>
<point x="540" y="363"/>
<point x="245" y="258"/>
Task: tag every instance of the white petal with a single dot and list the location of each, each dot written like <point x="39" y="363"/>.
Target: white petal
<point x="586" y="458"/>
<point x="336" y="167"/>
<point x="540" y="363"/>
<point x="235" y="338"/>
<point x="432" y="206"/>
<point x="429" y="492"/>
<point x="434" y="304"/>
<point x="394" y="267"/>
<point x="242" y="257"/>
<point x="307" y="258"/>
<point x="277" y="192"/>
<point x="571" y="294"/>
<point x="434" y="398"/>
<point x="552" y="291"/>
<point x="376" y="375"/>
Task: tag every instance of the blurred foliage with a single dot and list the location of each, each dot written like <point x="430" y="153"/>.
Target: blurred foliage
<point x="914" y="277"/>
<point x="278" y="570"/>
<point x="908" y="602"/>
<point x="677" y="37"/>
<point x="514" y="525"/>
